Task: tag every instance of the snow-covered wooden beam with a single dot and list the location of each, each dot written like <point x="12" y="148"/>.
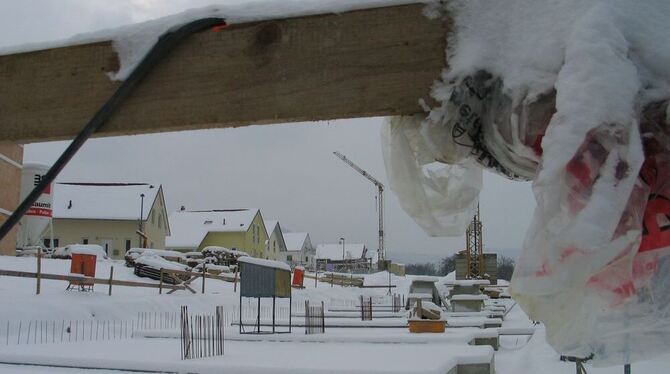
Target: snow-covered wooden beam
<point x="373" y="62"/>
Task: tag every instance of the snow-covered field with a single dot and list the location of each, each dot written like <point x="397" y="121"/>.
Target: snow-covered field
<point x="145" y="336"/>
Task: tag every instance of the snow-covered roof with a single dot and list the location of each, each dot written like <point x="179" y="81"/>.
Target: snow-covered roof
<point x="267" y="263"/>
<point x="109" y="201"/>
<point x="334" y="251"/>
<point x="295" y="240"/>
<point x="270" y="225"/>
<point x="189" y="228"/>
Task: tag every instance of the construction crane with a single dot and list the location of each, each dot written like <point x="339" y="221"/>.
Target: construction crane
<point x="380" y="201"/>
<point x="474" y="253"/>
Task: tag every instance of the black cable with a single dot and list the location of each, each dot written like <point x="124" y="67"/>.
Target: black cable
<point x="162" y="48"/>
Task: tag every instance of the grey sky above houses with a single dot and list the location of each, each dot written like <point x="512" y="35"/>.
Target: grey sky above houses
<point x="287" y="170"/>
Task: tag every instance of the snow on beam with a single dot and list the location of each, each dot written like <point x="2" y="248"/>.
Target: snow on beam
<point x="373" y="62"/>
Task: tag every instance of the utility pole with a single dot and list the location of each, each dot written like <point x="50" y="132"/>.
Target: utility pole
<point x="380" y="202"/>
<point x="141" y="223"/>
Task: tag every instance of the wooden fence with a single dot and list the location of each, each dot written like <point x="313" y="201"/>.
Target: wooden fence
<point x="80" y="278"/>
<point x="201" y="335"/>
<point x="315" y="320"/>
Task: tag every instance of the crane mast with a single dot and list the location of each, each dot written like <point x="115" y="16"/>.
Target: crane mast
<point x="474" y="253"/>
<point x="380" y="201"/>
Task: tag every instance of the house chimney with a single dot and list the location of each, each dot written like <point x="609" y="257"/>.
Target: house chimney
<point x="183" y="208"/>
<point x="224" y="221"/>
<point x="69" y="206"/>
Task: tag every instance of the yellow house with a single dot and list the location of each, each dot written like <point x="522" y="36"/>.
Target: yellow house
<point x="108" y="214"/>
<point x="240" y="229"/>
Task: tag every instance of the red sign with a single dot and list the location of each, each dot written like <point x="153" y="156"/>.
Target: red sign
<point x="41" y="212"/>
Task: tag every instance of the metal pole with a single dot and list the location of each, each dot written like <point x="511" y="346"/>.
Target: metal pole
<point x="204" y="270"/>
<point x="258" y="315"/>
<point x="111" y="276"/>
<point x="141" y="223"/>
<point x="51" y="229"/>
<point x="389" y="271"/>
<point x="240" y="316"/>
<point x="39" y="269"/>
<point x="273" y="314"/>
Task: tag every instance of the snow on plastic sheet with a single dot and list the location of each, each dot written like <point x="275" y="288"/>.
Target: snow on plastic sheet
<point x="572" y="95"/>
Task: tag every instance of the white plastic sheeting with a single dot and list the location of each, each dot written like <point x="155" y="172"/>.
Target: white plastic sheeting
<point x="572" y="95"/>
<point x="442" y="198"/>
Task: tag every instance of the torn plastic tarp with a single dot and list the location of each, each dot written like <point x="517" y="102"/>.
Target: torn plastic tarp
<point x="594" y="262"/>
<point x="442" y="198"/>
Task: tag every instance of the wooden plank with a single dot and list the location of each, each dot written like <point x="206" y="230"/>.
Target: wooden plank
<point x="373" y="62"/>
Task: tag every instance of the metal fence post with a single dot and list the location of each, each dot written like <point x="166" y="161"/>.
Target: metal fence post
<point x="111" y="276"/>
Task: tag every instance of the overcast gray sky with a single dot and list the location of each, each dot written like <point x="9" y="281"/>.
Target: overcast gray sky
<point x="288" y="170"/>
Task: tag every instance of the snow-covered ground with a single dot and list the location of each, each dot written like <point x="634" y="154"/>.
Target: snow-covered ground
<point x="155" y="346"/>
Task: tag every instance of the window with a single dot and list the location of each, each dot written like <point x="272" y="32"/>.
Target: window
<point x="127" y="245"/>
<point x="274" y="246"/>
<point x="152" y="245"/>
<point x="47" y="243"/>
<point x="289" y="258"/>
<point x="84" y="240"/>
<point x="115" y="252"/>
<point x="306" y="258"/>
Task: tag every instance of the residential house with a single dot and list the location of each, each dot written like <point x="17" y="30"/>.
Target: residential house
<point x="345" y="257"/>
<point x="299" y="249"/>
<point x="239" y="229"/>
<point x="109" y="214"/>
<point x="276" y="247"/>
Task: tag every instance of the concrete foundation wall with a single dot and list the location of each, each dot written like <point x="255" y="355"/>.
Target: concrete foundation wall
<point x="10" y="185"/>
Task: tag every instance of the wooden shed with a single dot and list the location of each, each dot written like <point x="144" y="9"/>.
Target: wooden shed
<point x="264" y="279"/>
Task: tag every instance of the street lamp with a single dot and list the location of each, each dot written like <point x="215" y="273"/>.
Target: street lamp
<point x="342" y="241"/>
<point x="141" y="219"/>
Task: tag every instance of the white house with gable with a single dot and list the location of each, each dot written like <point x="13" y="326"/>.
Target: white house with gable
<point x="276" y="247"/>
<point x="299" y="250"/>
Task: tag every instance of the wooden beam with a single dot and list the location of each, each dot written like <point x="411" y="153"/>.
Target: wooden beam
<point x="373" y="62"/>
